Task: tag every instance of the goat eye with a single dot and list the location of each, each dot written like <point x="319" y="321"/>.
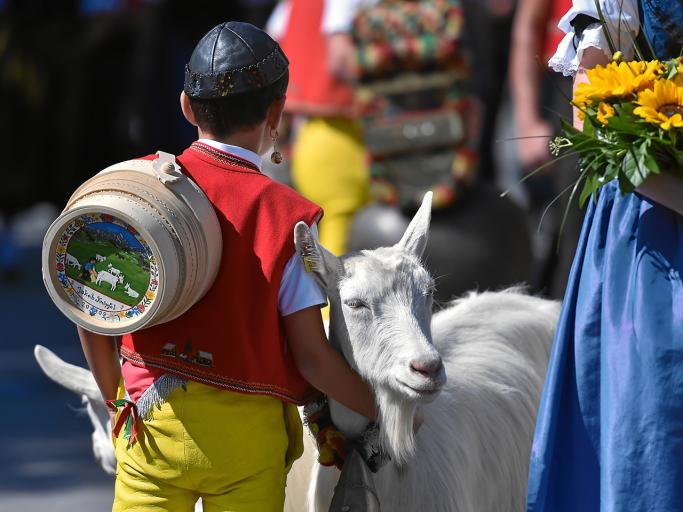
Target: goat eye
<point x="355" y="304"/>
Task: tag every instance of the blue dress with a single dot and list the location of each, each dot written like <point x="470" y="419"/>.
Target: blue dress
<point x="609" y="432"/>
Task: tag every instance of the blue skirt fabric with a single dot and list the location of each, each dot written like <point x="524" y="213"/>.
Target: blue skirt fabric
<point x="609" y="432"/>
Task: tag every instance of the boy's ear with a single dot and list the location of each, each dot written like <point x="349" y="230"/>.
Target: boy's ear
<point x="274" y="113"/>
<point x="324" y="265"/>
<point x="187" y="109"/>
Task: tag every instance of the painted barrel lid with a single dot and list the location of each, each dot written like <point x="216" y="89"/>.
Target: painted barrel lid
<point x="137" y="245"/>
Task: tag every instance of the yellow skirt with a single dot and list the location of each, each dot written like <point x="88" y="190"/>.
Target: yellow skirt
<point x="233" y="450"/>
<point x="329" y="168"/>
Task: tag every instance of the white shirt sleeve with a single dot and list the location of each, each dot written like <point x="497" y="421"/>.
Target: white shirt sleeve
<point x="338" y="14"/>
<point x="621" y="17"/>
<point x="277" y="23"/>
<point x="298" y="289"/>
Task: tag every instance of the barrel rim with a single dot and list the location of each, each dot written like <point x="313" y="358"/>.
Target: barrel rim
<point x="62" y="299"/>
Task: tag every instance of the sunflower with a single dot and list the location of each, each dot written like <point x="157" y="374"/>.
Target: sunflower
<point x="662" y="105"/>
<point x="678" y="77"/>
<point x="616" y="80"/>
<point x="605" y="111"/>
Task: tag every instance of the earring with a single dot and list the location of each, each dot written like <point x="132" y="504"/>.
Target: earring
<point x="275" y="156"/>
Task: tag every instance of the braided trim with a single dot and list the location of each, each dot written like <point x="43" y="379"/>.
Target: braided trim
<point x="223" y="158"/>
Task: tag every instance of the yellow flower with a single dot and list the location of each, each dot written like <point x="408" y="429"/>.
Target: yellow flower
<point x="678" y="78"/>
<point x="605" y="111"/>
<point x="616" y="80"/>
<point x="663" y="105"/>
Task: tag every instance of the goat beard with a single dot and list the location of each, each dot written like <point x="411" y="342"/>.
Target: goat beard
<point x="396" y="417"/>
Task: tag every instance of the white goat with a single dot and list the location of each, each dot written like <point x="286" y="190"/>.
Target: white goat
<point x="471" y="453"/>
<point x="81" y="382"/>
<point x="130" y="292"/>
<point x="72" y="261"/>
<point x="108" y="277"/>
<point x="112" y="269"/>
<point x="99" y="257"/>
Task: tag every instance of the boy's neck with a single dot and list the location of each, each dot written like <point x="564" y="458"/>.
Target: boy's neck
<point x="247" y="139"/>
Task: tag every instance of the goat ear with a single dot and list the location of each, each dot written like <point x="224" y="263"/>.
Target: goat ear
<point x="414" y="240"/>
<point x="315" y="257"/>
<point x="72" y="377"/>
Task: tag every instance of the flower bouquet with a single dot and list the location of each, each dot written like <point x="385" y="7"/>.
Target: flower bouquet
<point x="632" y="116"/>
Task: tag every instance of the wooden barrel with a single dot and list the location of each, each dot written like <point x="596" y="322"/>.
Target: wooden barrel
<point x="137" y="245"/>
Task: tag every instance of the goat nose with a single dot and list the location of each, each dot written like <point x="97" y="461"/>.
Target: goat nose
<point x="429" y="368"/>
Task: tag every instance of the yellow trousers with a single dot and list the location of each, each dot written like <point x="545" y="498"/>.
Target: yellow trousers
<point x="329" y="168"/>
<point x="232" y="450"/>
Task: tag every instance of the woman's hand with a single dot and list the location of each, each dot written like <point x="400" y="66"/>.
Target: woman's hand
<point x="665" y="189"/>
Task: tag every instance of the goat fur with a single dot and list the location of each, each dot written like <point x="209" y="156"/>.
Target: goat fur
<point x="472" y="451"/>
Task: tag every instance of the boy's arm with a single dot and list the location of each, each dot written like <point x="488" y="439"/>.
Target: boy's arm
<point x="322" y="366"/>
<point x="102" y="355"/>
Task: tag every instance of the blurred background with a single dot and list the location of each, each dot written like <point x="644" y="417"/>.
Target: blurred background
<point x="387" y="99"/>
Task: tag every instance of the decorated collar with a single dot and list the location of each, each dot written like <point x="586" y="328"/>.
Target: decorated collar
<point x="238" y="151"/>
<point x="224" y="157"/>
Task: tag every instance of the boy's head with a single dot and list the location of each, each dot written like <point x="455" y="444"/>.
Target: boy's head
<point x="235" y="81"/>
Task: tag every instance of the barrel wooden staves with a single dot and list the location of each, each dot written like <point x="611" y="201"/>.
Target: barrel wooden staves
<point x="137" y="245"/>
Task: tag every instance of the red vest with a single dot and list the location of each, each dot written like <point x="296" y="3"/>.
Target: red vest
<point x="233" y="338"/>
<point x="312" y="90"/>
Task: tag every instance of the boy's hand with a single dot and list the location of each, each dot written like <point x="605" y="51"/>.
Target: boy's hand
<point x="334" y="447"/>
<point x="112" y="418"/>
<point x="322" y="366"/>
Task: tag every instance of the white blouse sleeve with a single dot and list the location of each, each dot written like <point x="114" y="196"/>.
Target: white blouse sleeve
<point x="622" y="21"/>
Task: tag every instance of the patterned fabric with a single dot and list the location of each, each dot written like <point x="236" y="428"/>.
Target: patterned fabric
<point x="412" y="69"/>
<point x="395" y="36"/>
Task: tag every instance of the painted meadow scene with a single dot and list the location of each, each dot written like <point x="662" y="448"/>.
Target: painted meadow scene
<point x="110" y="260"/>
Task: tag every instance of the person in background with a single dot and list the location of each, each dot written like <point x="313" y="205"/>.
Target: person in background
<point x="609" y="431"/>
<point x="540" y="101"/>
<point x="328" y="158"/>
<point x="488" y="28"/>
<point x="89" y="271"/>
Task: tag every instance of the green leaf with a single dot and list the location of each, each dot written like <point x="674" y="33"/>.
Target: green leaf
<point x="588" y="128"/>
<point x="611" y="172"/>
<point x="632" y="171"/>
<point x="671" y="68"/>
<point x="652" y="165"/>
<point x="590" y="186"/>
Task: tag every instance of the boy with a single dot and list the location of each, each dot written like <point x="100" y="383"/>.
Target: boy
<point x="224" y="426"/>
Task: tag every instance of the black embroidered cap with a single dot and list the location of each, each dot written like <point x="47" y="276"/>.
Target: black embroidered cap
<point x="231" y="58"/>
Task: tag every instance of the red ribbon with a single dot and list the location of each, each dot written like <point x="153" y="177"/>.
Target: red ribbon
<point x="128" y="417"/>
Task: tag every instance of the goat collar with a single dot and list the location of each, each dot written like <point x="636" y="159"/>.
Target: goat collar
<point x="334" y="447"/>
